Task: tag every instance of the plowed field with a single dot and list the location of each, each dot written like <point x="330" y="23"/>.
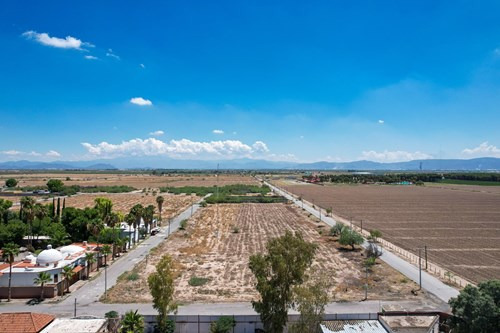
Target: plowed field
<point x="210" y="248"/>
<point x="459" y="224"/>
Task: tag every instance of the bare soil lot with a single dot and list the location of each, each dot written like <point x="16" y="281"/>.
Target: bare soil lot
<point x="459" y="224"/>
<point x="210" y="248"/>
<point x="139" y="181"/>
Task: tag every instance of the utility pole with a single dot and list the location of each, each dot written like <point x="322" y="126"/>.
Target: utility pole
<point x="420" y="268"/>
<point x="106" y="281"/>
<point x="319" y="213"/>
<point x="169" y="220"/>
<point x="366" y="284"/>
<point x="361" y="226"/>
<point x="74" y="312"/>
<point x="425" y="253"/>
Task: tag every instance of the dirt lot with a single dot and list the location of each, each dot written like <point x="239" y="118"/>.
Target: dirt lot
<point x="209" y="248"/>
<point x="459" y="224"/>
<point x="135" y="180"/>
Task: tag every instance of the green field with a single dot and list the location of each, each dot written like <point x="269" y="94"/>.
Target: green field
<point x="468" y="182"/>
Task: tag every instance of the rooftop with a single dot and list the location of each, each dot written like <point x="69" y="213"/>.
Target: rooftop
<point x="76" y="325"/>
<point x="24" y="322"/>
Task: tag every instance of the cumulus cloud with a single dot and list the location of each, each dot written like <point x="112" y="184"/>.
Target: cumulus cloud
<point x="90" y="57"/>
<point x="142" y="65"/>
<point x="64" y="43"/>
<point x="483" y="150"/>
<point x="157" y="133"/>
<point x="52" y="153"/>
<point x="140" y="101"/>
<point x="183" y="148"/>
<point x="218" y="131"/>
<point x="393" y="156"/>
<point x="111" y="54"/>
<point x="381" y="121"/>
<point x="12" y="152"/>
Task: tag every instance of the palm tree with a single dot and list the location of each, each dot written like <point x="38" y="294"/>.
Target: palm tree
<point x="159" y="202"/>
<point x="130" y="219"/>
<point x="132" y="322"/>
<point x="28" y="213"/>
<point x="106" y="250"/>
<point x="149" y="213"/>
<point x="89" y="259"/>
<point x="9" y="251"/>
<point x="68" y="274"/>
<point x="41" y="280"/>
<point x="95" y="226"/>
<point x="137" y="212"/>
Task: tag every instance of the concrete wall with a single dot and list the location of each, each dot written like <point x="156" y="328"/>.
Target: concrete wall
<point x="244" y="324"/>
<point x="29" y="292"/>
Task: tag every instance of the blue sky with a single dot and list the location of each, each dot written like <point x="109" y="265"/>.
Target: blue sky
<point x="329" y="80"/>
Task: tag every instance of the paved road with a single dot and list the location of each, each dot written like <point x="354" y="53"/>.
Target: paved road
<point x="429" y="282"/>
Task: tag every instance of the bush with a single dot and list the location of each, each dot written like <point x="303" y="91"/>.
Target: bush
<point x="196" y="281"/>
<point x="132" y="276"/>
<point x="111" y="314"/>
<point x="11" y="182"/>
<point x="350" y="237"/>
<point x="223" y="325"/>
<point x="236" y="230"/>
<point x="336" y="229"/>
<point x="370" y="262"/>
<point x="55" y="185"/>
<point x="183" y="225"/>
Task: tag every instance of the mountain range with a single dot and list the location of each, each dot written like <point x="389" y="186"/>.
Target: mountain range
<point x="476" y="164"/>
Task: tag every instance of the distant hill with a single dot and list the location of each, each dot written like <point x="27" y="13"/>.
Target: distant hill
<point x="476" y="164"/>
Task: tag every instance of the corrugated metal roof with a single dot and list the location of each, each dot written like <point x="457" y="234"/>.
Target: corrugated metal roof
<point x="352" y="326"/>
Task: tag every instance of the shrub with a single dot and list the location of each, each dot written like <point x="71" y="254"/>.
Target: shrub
<point x="370" y="262"/>
<point x="183" y="225"/>
<point x="350" y="237"/>
<point x="223" y="325"/>
<point x="111" y="314"/>
<point x="236" y="230"/>
<point x="374" y="234"/>
<point x="196" y="281"/>
<point x="11" y="182"/>
<point x="336" y="229"/>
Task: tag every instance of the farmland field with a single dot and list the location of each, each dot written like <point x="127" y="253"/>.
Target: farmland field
<point x="135" y="180"/>
<point x="218" y="241"/>
<point x="460" y="224"/>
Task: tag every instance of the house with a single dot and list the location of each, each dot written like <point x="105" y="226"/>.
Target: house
<point x="352" y="326"/>
<point x="76" y="325"/>
<point x="51" y="261"/>
<point x="24" y="322"/>
<point x="411" y="324"/>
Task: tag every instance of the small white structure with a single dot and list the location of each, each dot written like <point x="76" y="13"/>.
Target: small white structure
<point x="76" y="325"/>
<point x="49" y="257"/>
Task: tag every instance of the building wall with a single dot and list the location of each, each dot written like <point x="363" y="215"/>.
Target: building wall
<point x="26" y="278"/>
<point x="29" y="292"/>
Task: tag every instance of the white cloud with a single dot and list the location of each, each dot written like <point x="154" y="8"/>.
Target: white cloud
<point x="142" y="65"/>
<point x="64" y="43"/>
<point x="34" y="153"/>
<point x="90" y="57"/>
<point x="12" y="152"/>
<point x="157" y="133"/>
<point x="112" y="55"/>
<point x="301" y="137"/>
<point x="52" y="153"/>
<point x="381" y="121"/>
<point x="140" y="101"/>
<point x="483" y="150"/>
<point x="183" y="148"/>
<point x="393" y="156"/>
<point x="218" y="131"/>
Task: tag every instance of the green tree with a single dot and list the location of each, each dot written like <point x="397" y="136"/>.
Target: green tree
<point x="11" y="182"/>
<point x="67" y="273"/>
<point x="106" y="250"/>
<point x="89" y="260"/>
<point x="41" y="279"/>
<point x="277" y="273"/>
<point x="132" y="322"/>
<point x="12" y="232"/>
<point x="159" y="203"/>
<point x="137" y="212"/>
<point x="55" y="185"/>
<point x="28" y="212"/>
<point x="477" y="309"/>
<point x="375" y="234"/>
<point x="224" y="324"/>
<point x="349" y="237"/>
<point x="4" y="208"/>
<point x="9" y="251"/>
<point x="161" y="285"/>
<point x="105" y="208"/>
<point x="149" y="213"/>
<point x="310" y="300"/>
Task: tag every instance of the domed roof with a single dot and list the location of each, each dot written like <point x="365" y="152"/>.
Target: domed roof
<point x="71" y="249"/>
<point x="49" y="256"/>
